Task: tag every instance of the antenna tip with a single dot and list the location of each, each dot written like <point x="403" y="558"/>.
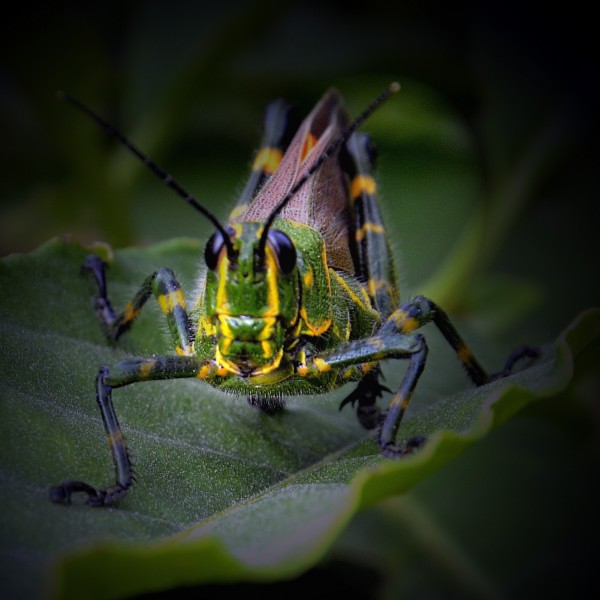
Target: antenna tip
<point x="61" y="95"/>
<point x="394" y="87"/>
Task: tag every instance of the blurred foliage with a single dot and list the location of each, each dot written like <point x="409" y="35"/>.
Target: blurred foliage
<point x="488" y="162"/>
<point x="497" y="104"/>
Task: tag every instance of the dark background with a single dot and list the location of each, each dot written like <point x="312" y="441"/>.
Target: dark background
<point x="188" y="82"/>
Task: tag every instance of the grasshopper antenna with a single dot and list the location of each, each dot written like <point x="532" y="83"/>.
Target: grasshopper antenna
<point x="326" y="155"/>
<point x="154" y="167"/>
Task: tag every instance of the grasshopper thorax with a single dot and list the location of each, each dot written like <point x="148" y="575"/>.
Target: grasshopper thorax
<point x="251" y="300"/>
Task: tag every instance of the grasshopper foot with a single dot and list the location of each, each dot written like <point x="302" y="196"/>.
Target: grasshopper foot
<point x="366" y="393"/>
<point x="392" y="450"/>
<point x="530" y="352"/>
<point x="61" y="494"/>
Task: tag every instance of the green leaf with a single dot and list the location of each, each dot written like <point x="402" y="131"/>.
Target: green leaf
<point x="224" y="493"/>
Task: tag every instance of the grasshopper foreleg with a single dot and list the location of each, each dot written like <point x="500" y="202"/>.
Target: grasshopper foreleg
<point x="165" y="287"/>
<point x="124" y="373"/>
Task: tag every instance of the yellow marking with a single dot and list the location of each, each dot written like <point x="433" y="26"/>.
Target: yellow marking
<point x="267" y="348"/>
<point x="237" y="228"/>
<point x="377" y="284"/>
<point x="146" y="369"/>
<point x="349" y="291"/>
<point x="222" y="270"/>
<point x="313" y="328"/>
<point x="464" y="354"/>
<point x="272" y="289"/>
<point x="204" y="372"/>
<point x="270" y="379"/>
<point x="271" y="366"/>
<point x="401" y="400"/>
<point x="360" y="233"/>
<point x="168" y="302"/>
<point x="405" y="323"/>
<point x="366" y="367"/>
<point x="223" y="365"/>
<point x="116" y="437"/>
<point x="321" y="365"/>
<point x="238" y="211"/>
<point x="410" y="325"/>
<point x="208" y="327"/>
<point x="348" y="373"/>
<point x="187" y="351"/>
<point x="302" y="369"/>
<point x="309" y="143"/>
<point x="267" y="160"/>
<point x="226" y="343"/>
<point x="222" y="371"/>
<point x="129" y="312"/>
<point x="362" y="183"/>
<point x="309" y="278"/>
<point x="267" y="331"/>
<point x="225" y="329"/>
<point x="348" y="331"/>
<point x="365" y="296"/>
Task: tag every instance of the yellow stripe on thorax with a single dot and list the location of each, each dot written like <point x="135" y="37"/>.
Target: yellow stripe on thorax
<point x="349" y="291"/>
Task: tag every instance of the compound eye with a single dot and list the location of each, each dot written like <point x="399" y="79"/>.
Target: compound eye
<point x="214" y="247"/>
<point x="284" y="250"/>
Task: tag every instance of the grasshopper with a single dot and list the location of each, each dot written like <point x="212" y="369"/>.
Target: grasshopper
<point x="300" y="294"/>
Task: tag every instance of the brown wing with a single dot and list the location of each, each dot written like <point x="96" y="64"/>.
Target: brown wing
<point x="322" y="202"/>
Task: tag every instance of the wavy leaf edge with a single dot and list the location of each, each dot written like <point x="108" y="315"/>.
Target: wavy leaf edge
<point x="131" y="564"/>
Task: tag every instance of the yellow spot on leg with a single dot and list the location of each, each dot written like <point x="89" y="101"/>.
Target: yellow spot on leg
<point x="372" y="227"/>
<point x="267" y="160"/>
<point x="115" y="437"/>
<point x="362" y="183"/>
<point x="129" y="312"/>
<point x="146" y="368"/>
<point x="464" y="354"/>
<point x="168" y="302"/>
<point x="321" y="365"/>
<point x="404" y="323"/>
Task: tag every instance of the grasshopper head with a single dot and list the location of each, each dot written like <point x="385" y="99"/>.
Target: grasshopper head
<point x="251" y="301"/>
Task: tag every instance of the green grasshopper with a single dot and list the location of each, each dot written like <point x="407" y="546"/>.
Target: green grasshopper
<point x="300" y="295"/>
